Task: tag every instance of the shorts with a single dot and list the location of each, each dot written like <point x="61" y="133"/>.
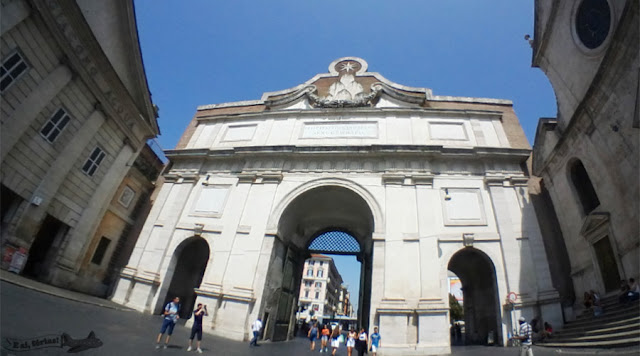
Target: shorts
<point x="351" y="343"/>
<point x="167" y="325"/>
<point x="335" y="343"/>
<point x="324" y="338"/>
<point x="313" y="336"/>
<point x="374" y="348"/>
<point x="196" y="330"/>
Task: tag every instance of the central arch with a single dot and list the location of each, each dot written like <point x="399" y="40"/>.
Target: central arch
<point x="314" y="210"/>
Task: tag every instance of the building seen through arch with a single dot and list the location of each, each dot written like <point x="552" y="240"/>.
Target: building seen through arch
<point x="423" y="184"/>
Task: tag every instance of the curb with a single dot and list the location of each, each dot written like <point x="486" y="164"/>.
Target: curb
<point x="59" y="295"/>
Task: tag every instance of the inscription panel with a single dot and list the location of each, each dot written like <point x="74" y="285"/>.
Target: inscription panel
<point x="448" y="131"/>
<point x="340" y="130"/>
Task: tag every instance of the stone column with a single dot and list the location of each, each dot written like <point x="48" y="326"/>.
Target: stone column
<point x="77" y="242"/>
<point x="14" y="126"/>
<point x="30" y="219"/>
<point x="12" y="14"/>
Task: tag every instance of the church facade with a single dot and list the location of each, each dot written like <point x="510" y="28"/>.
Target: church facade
<point x="588" y="156"/>
<point x="426" y="184"/>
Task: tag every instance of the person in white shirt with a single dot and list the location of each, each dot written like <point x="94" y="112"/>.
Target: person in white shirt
<point x="525" y="337"/>
<point x="256" y="327"/>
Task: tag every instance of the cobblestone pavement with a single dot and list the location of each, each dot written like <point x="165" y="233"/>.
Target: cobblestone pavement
<point x="27" y="313"/>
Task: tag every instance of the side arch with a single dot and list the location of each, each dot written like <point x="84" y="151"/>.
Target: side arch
<point x="184" y="273"/>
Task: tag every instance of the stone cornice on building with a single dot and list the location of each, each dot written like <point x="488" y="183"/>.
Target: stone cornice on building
<point x="517" y="154"/>
<point x="478" y="114"/>
<point x="86" y="58"/>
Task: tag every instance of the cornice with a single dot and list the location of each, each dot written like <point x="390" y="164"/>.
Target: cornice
<point x="479" y="114"/>
<point x="370" y="150"/>
<point x="83" y="52"/>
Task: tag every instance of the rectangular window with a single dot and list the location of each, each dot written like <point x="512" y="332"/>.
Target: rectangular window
<point x="318" y="284"/>
<point x="55" y="125"/>
<point x="308" y="283"/>
<point x="321" y="263"/>
<point x="317" y="295"/>
<point x="101" y="250"/>
<point x="312" y="262"/>
<point x="306" y="294"/>
<point x="320" y="273"/>
<point x="310" y="272"/>
<point x="93" y="162"/>
<point x="11" y="69"/>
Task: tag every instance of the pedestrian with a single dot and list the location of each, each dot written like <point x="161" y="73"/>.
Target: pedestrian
<point x="196" y="329"/>
<point x="313" y="335"/>
<point x="335" y="342"/>
<point x="524" y="337"/>
<point x="351" y="341"/>
<point x="256" y="327"/>
<point x="634" y="290"/>
<point x="362" y="342"/>
<point x="375" y="341"/>
<point x="324" y="338"/>
<point x="169" y="321"/>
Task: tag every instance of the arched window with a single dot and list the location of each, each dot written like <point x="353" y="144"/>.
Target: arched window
<point x="586" y="194"/>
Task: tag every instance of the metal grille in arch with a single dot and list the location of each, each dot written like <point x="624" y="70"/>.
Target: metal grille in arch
<point x="335" y="241"/>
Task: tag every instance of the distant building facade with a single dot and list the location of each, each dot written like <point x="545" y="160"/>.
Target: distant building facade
<point x="424" y="184"/>
<point x="588" y="156"/>
<point x="320" y="289"/>
<point x="76" y="115"/>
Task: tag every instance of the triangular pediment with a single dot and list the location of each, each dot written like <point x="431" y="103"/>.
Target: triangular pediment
<point x="118" y="39"/>
<point x="593" y="223"/>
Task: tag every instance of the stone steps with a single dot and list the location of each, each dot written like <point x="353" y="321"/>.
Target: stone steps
<point x="617" y="326"/>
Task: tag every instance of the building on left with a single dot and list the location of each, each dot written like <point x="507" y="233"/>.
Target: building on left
<point x="76" y="170"/>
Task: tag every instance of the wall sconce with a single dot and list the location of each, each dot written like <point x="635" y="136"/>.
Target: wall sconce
<point x="447" y="197"/>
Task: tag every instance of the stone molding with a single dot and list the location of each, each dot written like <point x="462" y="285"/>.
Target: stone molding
<point x="407" y="179"/>
<point x="237" y="294"/>
<point x="259" y="178"/>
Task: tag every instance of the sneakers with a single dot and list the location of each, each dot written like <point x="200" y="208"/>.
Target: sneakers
<point x="157" y="346"/>
<point x="199" y="351"/>
<point x="189" y="348"/>
<point x="164" y="346"/>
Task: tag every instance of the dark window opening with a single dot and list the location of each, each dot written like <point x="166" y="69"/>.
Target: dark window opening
<point x="586" y="193"/>
<point x="101" y="250"/>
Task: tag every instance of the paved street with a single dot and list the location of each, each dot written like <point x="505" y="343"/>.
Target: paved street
<point x="27" y="313"/>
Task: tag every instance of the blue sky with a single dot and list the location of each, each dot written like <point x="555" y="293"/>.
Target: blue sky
<point x="201" y="52"/>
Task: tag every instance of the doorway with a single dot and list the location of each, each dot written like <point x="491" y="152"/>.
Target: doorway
<point x="44" y="248"/>
<point x="607" y="263"/>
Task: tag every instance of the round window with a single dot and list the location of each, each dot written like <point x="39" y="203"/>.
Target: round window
<point x="593" y="20"/>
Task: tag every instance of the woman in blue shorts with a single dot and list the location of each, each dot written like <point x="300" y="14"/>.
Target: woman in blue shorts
<point x="313" y="335"/>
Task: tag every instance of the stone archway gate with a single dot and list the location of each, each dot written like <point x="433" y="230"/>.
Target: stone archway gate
<point x="436" y="173"/>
